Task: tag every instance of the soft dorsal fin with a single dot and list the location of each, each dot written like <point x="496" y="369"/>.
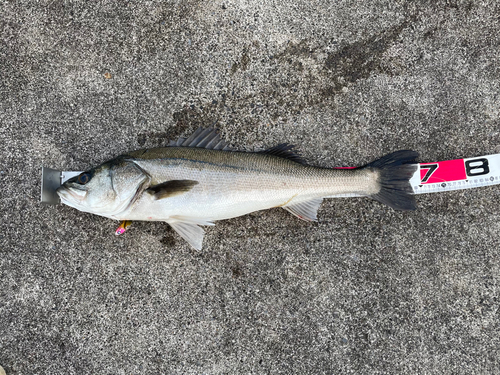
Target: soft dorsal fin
<point x="171" y="188"/>
<point x="286" y="151"/>
<point x="305" y="210"/>
<point x="203" y="138"/>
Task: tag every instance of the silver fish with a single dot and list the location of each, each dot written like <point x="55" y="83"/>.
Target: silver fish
<point x="199" y="180"/>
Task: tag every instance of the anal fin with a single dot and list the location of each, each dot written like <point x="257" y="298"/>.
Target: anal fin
<point x="306" y="210"/>
<point x="189" y="229"/>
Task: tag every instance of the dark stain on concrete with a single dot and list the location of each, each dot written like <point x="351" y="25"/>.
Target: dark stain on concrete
<point x="359" y="60"/>
<point x="186" y="120"/>
<point x="167" y="20"/>
<point x="245" y="60"/>
<point x="301" y="48"/>
<point x="192" y="117"/>
<point x="296" y="83"/>
<point x="168" y="240"/>
<point x="242" y="64"/>
<point x="300" y="77"/>
<point x="236" y="271"/>
<point x="153" y="139"/>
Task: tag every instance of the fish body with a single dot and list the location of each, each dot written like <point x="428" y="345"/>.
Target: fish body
<point x="199" y="181"/>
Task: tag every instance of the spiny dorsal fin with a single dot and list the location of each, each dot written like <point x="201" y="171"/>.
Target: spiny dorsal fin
<point x="171" y="188"/>
<point x="286" y="151"/>
<point x="305" y="210"/>
<point x="203" y="138"/>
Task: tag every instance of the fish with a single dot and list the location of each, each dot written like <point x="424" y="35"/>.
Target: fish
<point x="196" y="181"/>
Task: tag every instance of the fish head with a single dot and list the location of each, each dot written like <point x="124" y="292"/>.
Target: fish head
<point x="106" y="190"/>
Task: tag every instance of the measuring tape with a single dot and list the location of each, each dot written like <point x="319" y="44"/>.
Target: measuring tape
<point x="456" y="174"/>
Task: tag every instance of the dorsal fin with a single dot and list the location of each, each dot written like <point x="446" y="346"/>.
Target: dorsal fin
<point x="203" y="138"/>
<point x="286" y="151"/>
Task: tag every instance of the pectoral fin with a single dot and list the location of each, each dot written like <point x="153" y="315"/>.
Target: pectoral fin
<point x="305" y="210"/>
<point x="171" y="188"/>
<point x="191" y="232"/>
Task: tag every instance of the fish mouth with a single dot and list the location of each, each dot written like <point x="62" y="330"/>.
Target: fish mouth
<point x="70" y="195"/>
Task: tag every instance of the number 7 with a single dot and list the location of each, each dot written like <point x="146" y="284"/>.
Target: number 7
<point x="431" y="167"/>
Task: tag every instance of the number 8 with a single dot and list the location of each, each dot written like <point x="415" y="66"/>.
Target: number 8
<point x="474" y="169"/>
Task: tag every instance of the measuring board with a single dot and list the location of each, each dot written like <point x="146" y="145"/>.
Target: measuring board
<point x="433" y="177"/>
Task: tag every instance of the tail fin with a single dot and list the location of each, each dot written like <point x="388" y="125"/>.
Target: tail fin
<point x="395" y="173"/>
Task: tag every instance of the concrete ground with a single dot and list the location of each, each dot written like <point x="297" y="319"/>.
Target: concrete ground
<point x="367" y="290"/>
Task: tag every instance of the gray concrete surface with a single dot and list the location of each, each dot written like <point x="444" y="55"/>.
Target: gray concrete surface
<point x="365" y="291"/>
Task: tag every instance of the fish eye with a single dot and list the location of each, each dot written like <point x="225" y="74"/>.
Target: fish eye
<point x="83" y="178"/>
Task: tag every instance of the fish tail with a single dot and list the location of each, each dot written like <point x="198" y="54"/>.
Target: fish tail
<point x="395" y="171"/>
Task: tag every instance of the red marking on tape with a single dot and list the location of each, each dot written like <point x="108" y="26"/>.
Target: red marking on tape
<point x="448" y="170"/>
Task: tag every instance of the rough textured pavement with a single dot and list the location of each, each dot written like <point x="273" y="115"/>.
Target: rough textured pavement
<point x="366" y="290"/>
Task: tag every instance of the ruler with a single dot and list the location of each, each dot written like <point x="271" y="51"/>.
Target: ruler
<point x="433" y="177"/>
<point x="456" y="174"/>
